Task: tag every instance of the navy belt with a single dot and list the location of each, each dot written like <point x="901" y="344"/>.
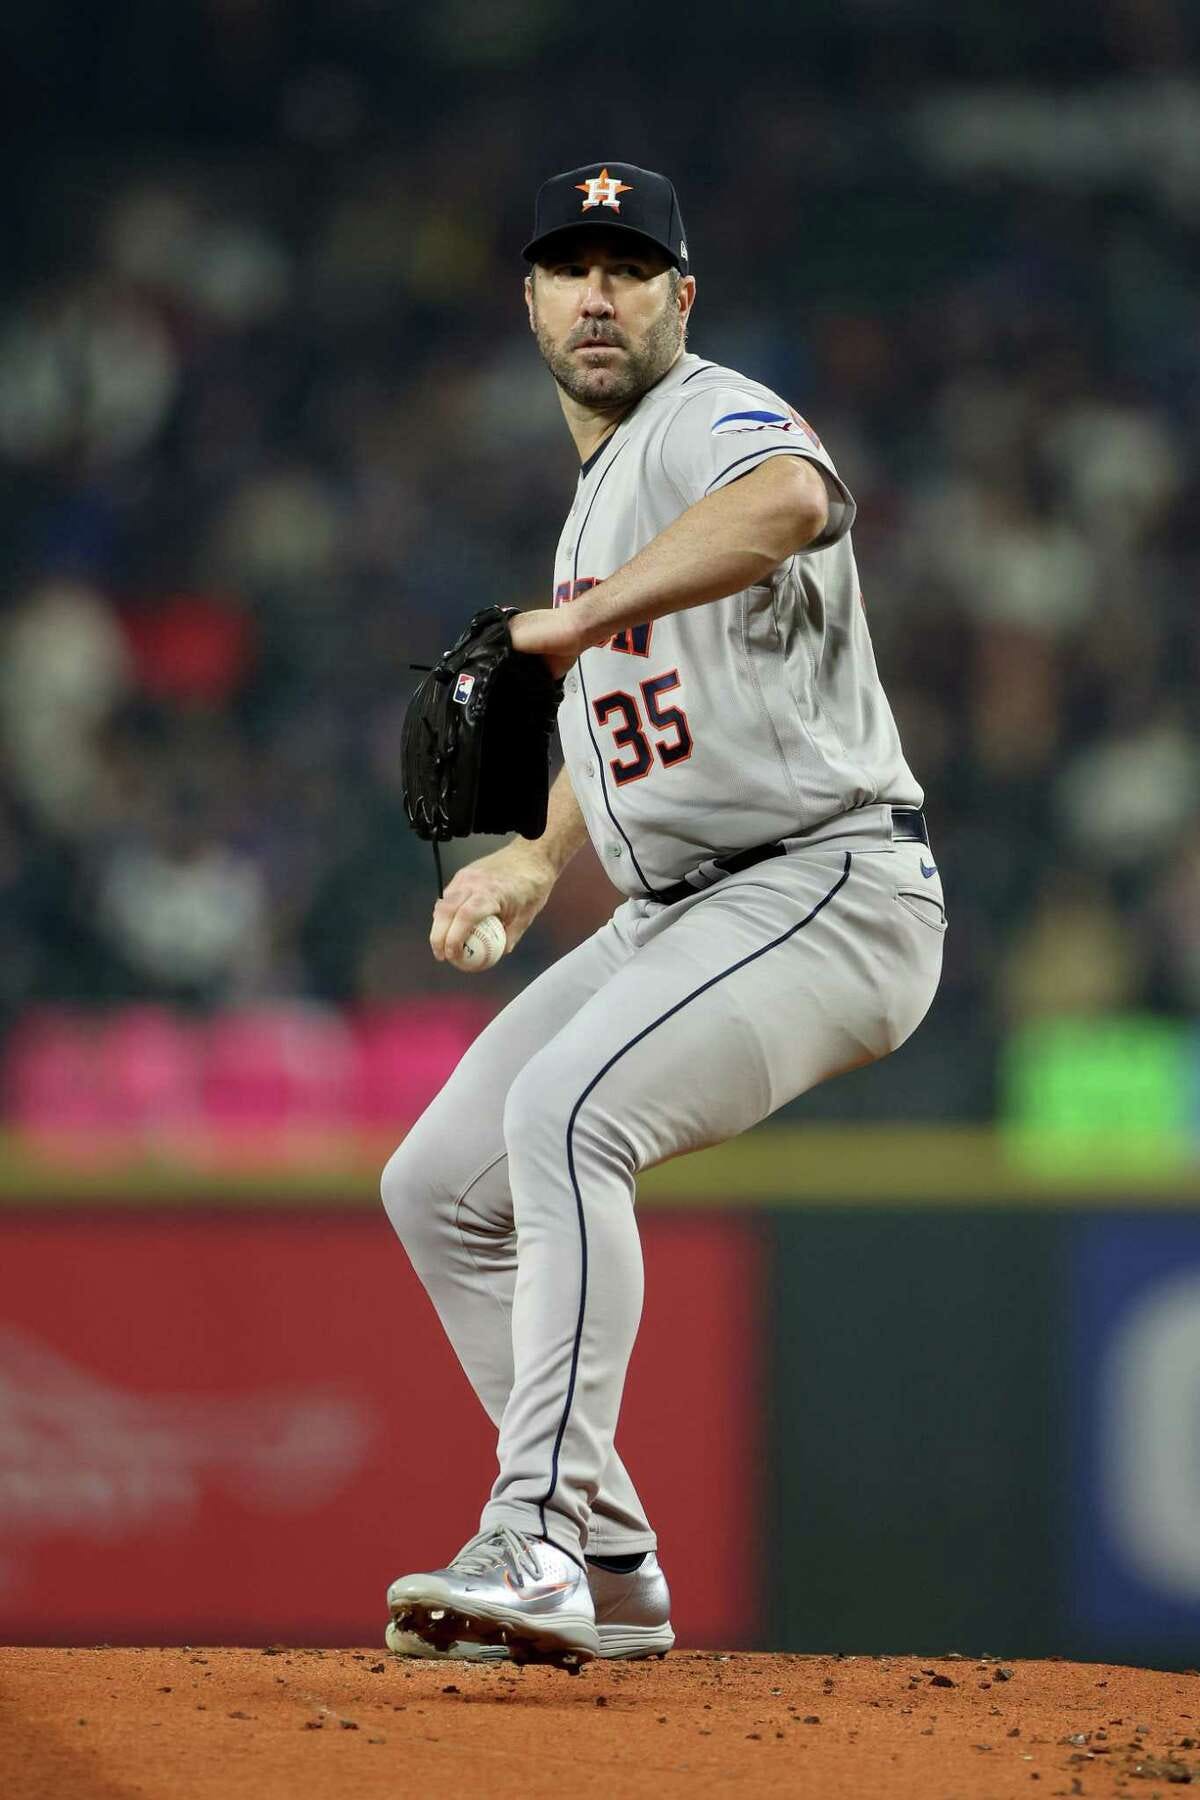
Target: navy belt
<point x="908" y="826"/>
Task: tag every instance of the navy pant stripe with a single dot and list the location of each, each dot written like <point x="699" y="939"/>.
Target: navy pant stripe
<point x="575" y="1110"/>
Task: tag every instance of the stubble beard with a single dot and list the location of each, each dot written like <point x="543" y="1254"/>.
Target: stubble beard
<point x="613" y="386"/>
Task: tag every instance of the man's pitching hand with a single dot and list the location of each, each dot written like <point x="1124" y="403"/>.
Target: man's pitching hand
<point x="513" y="884"/>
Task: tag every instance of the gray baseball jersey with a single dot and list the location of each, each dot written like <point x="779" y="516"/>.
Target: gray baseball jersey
<point x="685" y="1019"/>
<point x="756" y="717"/>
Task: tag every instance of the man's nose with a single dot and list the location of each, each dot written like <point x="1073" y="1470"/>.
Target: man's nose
<point x="596" y="302"/>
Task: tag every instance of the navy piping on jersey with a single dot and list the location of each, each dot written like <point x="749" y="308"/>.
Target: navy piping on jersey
<point x="763" y="450"/>
<point x="586" y="468"/>
<point x="696" y="372"/>
<point x="587" y="707"/>
<point x="594" y="1083"/>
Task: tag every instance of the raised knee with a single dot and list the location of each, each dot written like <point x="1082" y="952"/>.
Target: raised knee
<point x="407" y="1194"/>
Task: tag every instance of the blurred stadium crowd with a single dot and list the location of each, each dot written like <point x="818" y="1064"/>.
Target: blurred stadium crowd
<point x="271" y="426"/>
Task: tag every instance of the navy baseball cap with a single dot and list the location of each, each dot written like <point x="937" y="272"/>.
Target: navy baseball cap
<point x="619" y="195"/>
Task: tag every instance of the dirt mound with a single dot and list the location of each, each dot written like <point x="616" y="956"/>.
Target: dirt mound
<point x="197" y="1724"/>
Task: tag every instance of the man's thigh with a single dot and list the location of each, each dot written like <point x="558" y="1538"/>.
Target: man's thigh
<point x="460" y="1134"/>
<point x="730" y="1006"/>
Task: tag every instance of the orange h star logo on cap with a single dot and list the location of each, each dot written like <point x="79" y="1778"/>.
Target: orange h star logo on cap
<point x="602" y="190"/>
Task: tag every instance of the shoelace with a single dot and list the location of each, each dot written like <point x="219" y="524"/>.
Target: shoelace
<point x="499" y="1545"/>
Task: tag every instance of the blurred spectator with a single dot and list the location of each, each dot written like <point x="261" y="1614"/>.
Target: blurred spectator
<point x="1130" y="797"/>
<point x="1172" y="926"/>
<point x="188" y="915"/>
<point x="64" y="666"/>
<point x="271" y="426"/>
<point x="190" y="648"/>
<point x="89" y="373"/>
<point x="1071" y="957"/>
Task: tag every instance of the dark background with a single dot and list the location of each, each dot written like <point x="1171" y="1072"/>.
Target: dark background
<point x="271" y="425"/>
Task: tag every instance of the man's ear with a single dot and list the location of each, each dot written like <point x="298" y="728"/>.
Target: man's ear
<point x="529" y="301"/>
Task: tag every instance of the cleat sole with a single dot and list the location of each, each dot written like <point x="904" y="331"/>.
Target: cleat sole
<point x="526" y="1640"/>
<point x="633" y="1641"/>
<point x="627" y="1643"/>
<point x="406" y="1645"/>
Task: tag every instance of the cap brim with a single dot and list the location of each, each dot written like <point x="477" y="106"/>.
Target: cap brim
<point x="536" y="250"/>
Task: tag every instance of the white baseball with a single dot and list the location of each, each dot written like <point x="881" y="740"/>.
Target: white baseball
<point x="486" y="945"/>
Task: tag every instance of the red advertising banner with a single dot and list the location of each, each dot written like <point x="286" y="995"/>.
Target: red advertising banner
<point x="240" y="1428"/>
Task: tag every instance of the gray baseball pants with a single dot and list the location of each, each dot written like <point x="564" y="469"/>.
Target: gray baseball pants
<point x="671" y="1028"/>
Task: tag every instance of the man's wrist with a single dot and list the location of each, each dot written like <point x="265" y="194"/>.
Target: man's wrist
<point x="531" y="850"/>
<point x="589" y="616"/>
<point x="550" y="853"/>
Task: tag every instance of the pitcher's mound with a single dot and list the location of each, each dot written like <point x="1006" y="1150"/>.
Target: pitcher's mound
<point x="197" y="1724"/>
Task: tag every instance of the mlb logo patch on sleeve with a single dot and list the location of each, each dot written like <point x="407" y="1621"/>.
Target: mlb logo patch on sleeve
<point x="462" y="688"/>
<point x="758" y="419"/>
<point x="732" y="422"/>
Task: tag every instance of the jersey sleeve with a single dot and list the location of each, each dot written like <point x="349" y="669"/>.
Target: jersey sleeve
<point x="723" y="433"/>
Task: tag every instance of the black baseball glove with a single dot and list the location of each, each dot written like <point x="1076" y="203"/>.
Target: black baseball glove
<point x="476" y="745"/>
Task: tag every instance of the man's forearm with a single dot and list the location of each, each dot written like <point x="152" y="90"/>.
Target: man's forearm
<point x="565" y="831"/>
<point x="724" y="543"/>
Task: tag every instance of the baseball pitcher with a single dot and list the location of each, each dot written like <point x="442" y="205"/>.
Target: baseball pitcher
<point x="729" y="750"/>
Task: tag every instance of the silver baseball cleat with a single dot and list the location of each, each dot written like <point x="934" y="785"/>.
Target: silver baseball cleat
<point x="633" y="1612"/>
<point x="507" y="1591"/>
<point x="633" y="1618"/>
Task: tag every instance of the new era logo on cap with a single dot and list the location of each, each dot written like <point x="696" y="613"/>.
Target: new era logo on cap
<point x="619" y="196"/>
